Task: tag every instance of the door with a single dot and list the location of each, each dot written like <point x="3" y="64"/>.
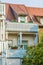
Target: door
<point x="24" y="44"/>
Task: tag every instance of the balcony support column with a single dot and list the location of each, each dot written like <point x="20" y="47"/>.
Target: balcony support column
<point x="7" y="39"/>
<point x="36" y="38"/>
<point x="1" y="32"/>
<point x="3" y="37"/>
<point x="20" y="40"/>
<point x="3" y="26"/>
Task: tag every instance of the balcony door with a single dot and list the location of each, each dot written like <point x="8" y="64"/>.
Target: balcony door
<point x="24" y="44"/>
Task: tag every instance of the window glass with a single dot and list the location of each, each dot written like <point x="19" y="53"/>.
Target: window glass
<point x="1" y="8"/>
<point x="42" y="21"/>
<point x="22" y="19"/>
<point x="24" y="44"/>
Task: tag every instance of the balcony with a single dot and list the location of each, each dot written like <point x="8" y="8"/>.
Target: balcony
<point x="14" y="26"/>
<point x="19" y="53"/>
<point x="11" y="53"/>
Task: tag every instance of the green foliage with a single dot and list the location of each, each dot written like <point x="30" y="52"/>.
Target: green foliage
<point x="41" y="38"/>
<point x="14" y="21"/>
<point x="34" y="55"/>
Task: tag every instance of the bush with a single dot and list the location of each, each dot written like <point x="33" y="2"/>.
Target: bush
<point x="34" y="55"/>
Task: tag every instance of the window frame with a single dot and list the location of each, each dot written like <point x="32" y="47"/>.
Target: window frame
<point x="41" y="20"/>
<point x="2" y="8"/>
<point x="22" y="19"/>
<point x="23" y="44"/>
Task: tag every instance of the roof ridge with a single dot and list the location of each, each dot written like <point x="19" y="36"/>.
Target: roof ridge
<point x="34" y="7"/>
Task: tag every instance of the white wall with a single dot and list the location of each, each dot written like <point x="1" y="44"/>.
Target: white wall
<point x="13" y="37"/>
<point x="29" y="38"/>
<point x="13" y="61"/>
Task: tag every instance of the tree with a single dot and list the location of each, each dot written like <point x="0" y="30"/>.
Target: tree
<point x="34" y="55"/>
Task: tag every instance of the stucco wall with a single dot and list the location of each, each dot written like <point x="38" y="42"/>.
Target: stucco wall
<point x="40" y="33"/>
<point x="13" y="37"/>
<point x="29" y="38"/>
<point x="13" y="61"/>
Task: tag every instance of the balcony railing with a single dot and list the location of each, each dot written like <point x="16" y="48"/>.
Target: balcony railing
<point x="14" y="26"/>
<point x="11" y="52"/>
<point x="15" y="53"/>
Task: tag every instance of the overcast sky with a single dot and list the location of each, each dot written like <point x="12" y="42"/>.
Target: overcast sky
<point x="33" y="3"/>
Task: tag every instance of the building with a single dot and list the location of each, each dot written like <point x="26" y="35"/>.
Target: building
<point x="19" y="28"/>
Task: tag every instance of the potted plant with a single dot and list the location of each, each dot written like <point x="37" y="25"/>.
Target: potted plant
<point x="14" y="47"/>
<point x="0" y="53"/>
<point x="14" y="20"/>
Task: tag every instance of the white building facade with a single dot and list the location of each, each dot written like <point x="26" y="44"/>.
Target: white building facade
<point x="15" y="36"/>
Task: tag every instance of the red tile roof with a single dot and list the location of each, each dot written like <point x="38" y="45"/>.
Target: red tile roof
<point x="31" y="12"/>
<point x="19" y="9"/>
<point x="35" y="11"/>
<point x="9" y="15"/>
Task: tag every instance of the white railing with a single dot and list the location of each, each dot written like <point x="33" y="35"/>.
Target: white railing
<point x="13" y="26"/>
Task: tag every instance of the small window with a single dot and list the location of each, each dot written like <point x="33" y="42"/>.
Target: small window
<point x="1" y="8"/>
<point x="22" y="19"/>
<point x="42" y="21"/>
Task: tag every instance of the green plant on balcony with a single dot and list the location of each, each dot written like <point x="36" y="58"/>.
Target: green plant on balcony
<point x="14" y="47"/>
<point x="0" y="53"/>
<point x="30" y="22"/>
<point x="14" y="21"/>
<point x="22" y="21"/>
<point x="9" y="45"/>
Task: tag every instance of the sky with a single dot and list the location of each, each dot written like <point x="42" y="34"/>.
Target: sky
<point x="31" y="3"/>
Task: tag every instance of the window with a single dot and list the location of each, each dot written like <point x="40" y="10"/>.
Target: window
<point x="42" y="21"/>
<point x="22" y="19"/>
<point x="24" y="44"/>
<point x="1" y="8"/>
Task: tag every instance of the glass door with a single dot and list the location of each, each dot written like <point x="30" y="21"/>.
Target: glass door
<point x="24" y="44"/>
